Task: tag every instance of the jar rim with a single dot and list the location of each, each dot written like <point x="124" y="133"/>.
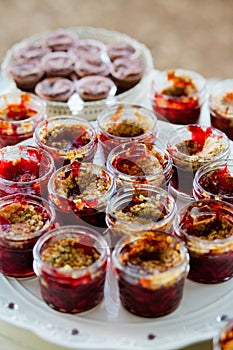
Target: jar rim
<point x="137" y="236"/>
<point x="112" y="107"/>
<point x="74" y="230"/>
<point x="34" y="200"/>
<point x="49" y="158"/>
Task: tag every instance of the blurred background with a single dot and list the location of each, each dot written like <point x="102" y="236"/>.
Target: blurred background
<point x="195" y="35"/>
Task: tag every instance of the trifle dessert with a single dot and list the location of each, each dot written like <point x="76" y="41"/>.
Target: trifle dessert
<point x="151" y="268"/>
<point x="20" y="113"/>
<point x="71" y="264"/>
<point x="221" y="106"/>
<point x="120" y="123"/>
<point x="177" y="96"/>
<point x="23" y="219"/>
<point x="139" y="162"/>
<point x="191" y="147"/>
<point x="80" y="192"/>
<point x="206" y="226"/>
<point x="67" y="139"/>
<point x="224" y="339"/>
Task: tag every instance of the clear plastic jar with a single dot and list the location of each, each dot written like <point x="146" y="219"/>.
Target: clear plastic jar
<point x="177" y="95"/>
<point x="137" y="162"/>
<point x="73" y="282"/>
<point x="214" y="181"/>
<point x="223" y="340"/>
<point x="25" y="169"/>
<point x="121" y="123"/>
<point x="23" y="219"/>
<point x="206" y="227"/>
<point x="221" y="106"/>
<point x="67" y="138"/>
<point x="191" y="147"/>
<point x="80" y="192"/>
<point x="20" y="114"/>
<point x="151" y="267"/>
<point x="139" y="208"/>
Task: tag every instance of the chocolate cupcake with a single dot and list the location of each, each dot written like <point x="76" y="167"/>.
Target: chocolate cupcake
<point x="60" y="40"/>
<point x="55" y="89"/>
<point x="94" y="88"/>
<point x="58" y="64"/>
<point x="88" y="47"/>
<point x="121" y="49"/>
<point x="31" y="51"/>
<point x="26" y="74"/>
<point x="127" y="72"/>
<point x="92" y="65"/>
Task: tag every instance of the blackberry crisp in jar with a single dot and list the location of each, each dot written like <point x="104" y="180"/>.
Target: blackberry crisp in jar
<point x="151" y="267"/>
<point x="71" y="264"/>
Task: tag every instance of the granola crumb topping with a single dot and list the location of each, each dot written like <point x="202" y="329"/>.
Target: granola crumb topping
<point x="21" y="219"/>
<point x="150" y="254"/>
<point x="68" y="254"/>
<point x="66" y="136"/>
<point x="82" y="185"/>
<point x="125" y="128"/>
<point x="143" y="210"/>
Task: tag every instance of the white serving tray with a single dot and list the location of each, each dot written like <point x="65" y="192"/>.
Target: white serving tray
<point x="109" y="326"/>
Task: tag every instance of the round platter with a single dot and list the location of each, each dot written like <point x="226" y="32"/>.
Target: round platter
<point x="109" y="326"/>
<point x="89" y="110"/>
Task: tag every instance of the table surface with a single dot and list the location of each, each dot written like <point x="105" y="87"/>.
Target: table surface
<point x="14" y="338"/>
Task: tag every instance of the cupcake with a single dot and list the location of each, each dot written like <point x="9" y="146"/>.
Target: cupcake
<point x="121" y="49"/>
<point x="95" y="87"/>
<point x="58" y="64"/>
<point x="60" y="40"/>
<point x="126" y="72"/>
<point x="55" y="89"/>
<point x="26" y="74"/>
<point x="92" y="65"/>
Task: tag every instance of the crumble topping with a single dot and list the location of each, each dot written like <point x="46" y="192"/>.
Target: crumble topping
<point x="68" y="254"/>
<point x="125" y="128"/>
<point x="151" y="253"/>
<point x="66" y="136"/>
<point x="143" y="210"/>
<point x="21" y="219"/>
<point x="81" y="185"/>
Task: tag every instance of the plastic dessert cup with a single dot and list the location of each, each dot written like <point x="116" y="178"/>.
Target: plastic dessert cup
<point x="221" y="106"/>
<point x="23" y="219"/>
<point x="20" y="113"/>
<point x="139" y="208"/>
<point x="137" y="162"/>
<point x="151" y="268"/>
<point x="214" y="181"/>
<point x="25" y="169"/>
<point x="80" y="193"/>
<point x="191" y="147"/>
<point x="177" y="96"/>
<point x="67" y="139"/>
<point x="223" y="340"/>
<point x="122" y="123"/>
<point x="206" y="227"/>
<point x="71" y="264"/>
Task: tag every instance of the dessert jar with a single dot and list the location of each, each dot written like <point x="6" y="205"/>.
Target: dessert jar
<point x="206" y="227"/>
<point x="177" y="96"/>
<point x="214" y="181"/>
<point x="137" y="162"/>
<point x="25" y="169"/>
<point x="71" y="264"/>
<point x="151" y="268"/>
<point x="80" y="192"/>
<point x="119" y="123"/>
<point x="23" y="219"/>
<point x="221" y="106"/>
<point x="67" y="138"/>
<point x="190" y="147"/>
<point x="223" y="340"/>
<point x="20" y="113"/>
<point x="139" y="208"/>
